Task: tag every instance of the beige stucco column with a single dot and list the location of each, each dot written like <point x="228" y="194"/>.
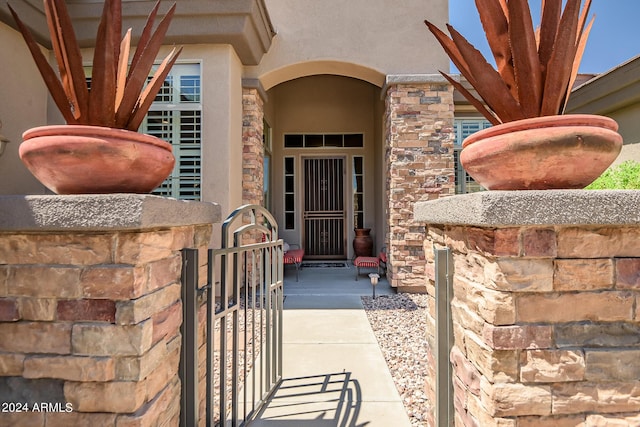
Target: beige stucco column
<point x="221" y="126"/>
<point x="419" y="164"/>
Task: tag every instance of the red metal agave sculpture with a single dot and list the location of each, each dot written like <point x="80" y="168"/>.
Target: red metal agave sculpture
<point x="118" y="97"/>
<point x="535" y="68"/>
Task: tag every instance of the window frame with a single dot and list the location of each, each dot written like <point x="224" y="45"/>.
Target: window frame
<point x="181" y="184"/>
<point x="464" y="183"/>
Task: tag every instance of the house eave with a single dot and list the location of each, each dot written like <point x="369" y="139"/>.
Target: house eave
<point x="243" y="24"/>
<point x="610" y="91"/>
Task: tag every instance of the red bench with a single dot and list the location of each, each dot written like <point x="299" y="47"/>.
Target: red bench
<point x="371" y="262"/>
<point x="294" y="257"/>
<point x="366" y="262"/>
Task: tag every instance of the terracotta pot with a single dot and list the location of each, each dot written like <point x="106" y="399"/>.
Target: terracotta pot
<point x="554" y="152"/>
<point x="74" y="159"/>
<point x="362" y="243"/>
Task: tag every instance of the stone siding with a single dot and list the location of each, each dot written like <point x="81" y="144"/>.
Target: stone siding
<point x="90" y="322"/>
<point x="252" y="152"/>
<point x="419" y="156"/>
<point x="252" y="147"/>
<point x="545" y="318"/>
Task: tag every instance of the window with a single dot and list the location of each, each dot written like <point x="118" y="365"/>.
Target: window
<point x="464" y="128"/>
<point x="176" y="117"/>
<point x="358" y="192"/>
<point x="289" y="194"/>
<point x="348" y="140"/>
<point x="266" y="184"/>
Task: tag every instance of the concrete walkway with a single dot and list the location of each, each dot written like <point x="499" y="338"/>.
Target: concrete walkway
<point x="334" y="371"/>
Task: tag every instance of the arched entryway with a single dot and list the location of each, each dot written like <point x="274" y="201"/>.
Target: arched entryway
<point x="407" y="129"/>
<point x="326" y="151"/>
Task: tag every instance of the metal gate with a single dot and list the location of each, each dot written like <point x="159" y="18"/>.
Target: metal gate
<point x="240" y="308"/>
<point x="324" y="215"/>
<point x="444" y="337"/>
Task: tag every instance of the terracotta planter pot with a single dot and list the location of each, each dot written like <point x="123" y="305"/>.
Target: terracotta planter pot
<point x="554" y="152"/>
<point x="73" y="159"/>
<point x="362" y="243"/>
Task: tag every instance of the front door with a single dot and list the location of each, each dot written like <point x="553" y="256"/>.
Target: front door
<point x="324" y="214"/>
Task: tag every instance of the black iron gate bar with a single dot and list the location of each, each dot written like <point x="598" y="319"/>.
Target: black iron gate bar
<point x="250" y="278"/>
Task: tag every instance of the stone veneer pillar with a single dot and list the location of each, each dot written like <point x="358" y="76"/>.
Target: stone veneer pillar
<point x="420" y="167"/>
<point x="252" y="146"/>
<point x="546" y="307"/>
<point x="90" y="308"/>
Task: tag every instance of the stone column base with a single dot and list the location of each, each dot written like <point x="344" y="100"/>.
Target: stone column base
<point x="545" y="309"/>
<point x="90" y="308"/>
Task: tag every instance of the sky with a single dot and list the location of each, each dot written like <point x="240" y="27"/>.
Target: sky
<point x="614" y="38"/>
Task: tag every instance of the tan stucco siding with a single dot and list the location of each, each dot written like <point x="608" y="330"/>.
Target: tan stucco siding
<point x="628" y="119"/>
<point x="629" y="127"/>
<point x="221" y="125"/>
<point x="23" y="105"/>
<point x="358" y="38"/>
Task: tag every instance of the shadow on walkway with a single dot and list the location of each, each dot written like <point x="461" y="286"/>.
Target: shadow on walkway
<point x="334" y="373"/>
<point x="335" y="402"/>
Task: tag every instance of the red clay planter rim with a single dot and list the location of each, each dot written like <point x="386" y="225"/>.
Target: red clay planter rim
<point x="97" y="131"/>
<point x="543" y="122"/>
<point x="81" y="159"/>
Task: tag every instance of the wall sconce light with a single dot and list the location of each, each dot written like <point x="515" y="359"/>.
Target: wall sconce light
<point x="374" y="281"/>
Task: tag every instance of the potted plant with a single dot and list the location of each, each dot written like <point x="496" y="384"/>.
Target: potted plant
<point x="531" y="145"/>
<point x="99" y="149"/>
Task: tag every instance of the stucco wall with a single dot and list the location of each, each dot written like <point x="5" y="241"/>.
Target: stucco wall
<point x="358" y="38"/>
<point x="222" y="124"/>
<point x="23" y="105"/>
<point x="629" y="121"/>
<point x="615" y="94"/>
<point x="326" y="104"/>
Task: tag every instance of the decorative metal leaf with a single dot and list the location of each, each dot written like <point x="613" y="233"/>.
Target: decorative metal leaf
<point x="582" y="44"/>
<point x="488" y="83"/>
<point x="452" y="50"/>
<point x="496" y="27"/>
<point x="67" y="52"/>
<point x="478" y="104"/>
<point x="561" y="62"/>
<point x="505" y="8"/>
<point x="48" y="74"/>
<point x="114" y="98"/>
<point x="544" y="62"/>
<point x="551" y="12"/>
<point x="152" y="88"/>
<point x="583" y="17"/>
<point x="121" y="75"/>
<point x="525" y="57"/>
<point x="138" y="74"/>
<point x="144" y="37"/>
<point x="116" y="21"/>
<point x="103" y="78"/>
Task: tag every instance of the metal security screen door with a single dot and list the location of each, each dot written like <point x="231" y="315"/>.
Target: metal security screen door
<point x="324" y="215"/>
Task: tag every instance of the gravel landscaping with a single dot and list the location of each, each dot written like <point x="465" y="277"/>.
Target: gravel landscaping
<point x="398" y="322"/>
